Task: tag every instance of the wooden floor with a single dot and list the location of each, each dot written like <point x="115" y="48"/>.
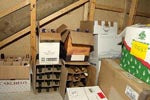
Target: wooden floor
<point x="30" y="96"/>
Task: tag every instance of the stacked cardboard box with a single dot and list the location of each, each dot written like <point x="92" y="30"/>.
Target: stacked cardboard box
<point x="136" y="52"/>
<point x="85" y="93"/>
<point x="71" y="46"/>
<point x="106" y="41"/>
<point x="77" y="48"/>
<point x="47" y="72"/>
<point x="14" y="74"/>
<point x="118" y="84"/>
<point x="49" y="46"/>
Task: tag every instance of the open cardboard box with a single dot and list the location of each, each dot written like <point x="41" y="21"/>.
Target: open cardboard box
<point x="10" y="69"/>
<point x="90" y="79"/>
<point x="14" y="78"/>
<point x="78" y="46"/>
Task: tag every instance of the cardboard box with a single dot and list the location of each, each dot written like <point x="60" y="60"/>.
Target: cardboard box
<point x="120" y="85"/>
<point x="96" y="27"/>
<point x="78" y="46"/>
<point x="14" y="72"/>
<point x="106" y="39"/>
<point x="136" y="52"/>
<point x="15" y="86"/>
<point x="91" y="77"/>
<point x="49" y="48"/>
<point x="97" y="64"/>
<point x="85" y="93"/>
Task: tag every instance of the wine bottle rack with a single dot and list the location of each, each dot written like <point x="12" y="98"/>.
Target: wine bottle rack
<point x="48" y="78"/>
<point x="77" y="75"/>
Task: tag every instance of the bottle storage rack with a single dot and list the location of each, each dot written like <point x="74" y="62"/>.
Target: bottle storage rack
<point x="48" y="78"/>
<point x="77" y="75"/>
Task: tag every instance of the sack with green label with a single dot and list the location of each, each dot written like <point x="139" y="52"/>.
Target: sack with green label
<point x="135" y="57"/>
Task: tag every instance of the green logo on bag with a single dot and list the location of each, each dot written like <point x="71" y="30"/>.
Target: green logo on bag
<point x="142" y="35"/>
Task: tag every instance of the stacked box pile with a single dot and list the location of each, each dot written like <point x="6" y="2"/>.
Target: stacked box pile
<point x="63" y="60"/>
<point x="14" y="74"/>
<point x="106" y="41"/>
<point x="136" y="52"/>
<point x="77" y="47"/>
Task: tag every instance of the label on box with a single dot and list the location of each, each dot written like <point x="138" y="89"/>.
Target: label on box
<point x="139" y="49"/>
<point x="77" y="57"/>
<point x="14" y="86"/>
<point x="49" y="53"/>
<point x="131" y="93"/>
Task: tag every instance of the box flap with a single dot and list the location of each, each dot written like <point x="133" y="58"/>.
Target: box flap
<point x="64" y="35"/>
<point x="50" y="37"/>
<point x="87" y="26"/>
<point x="82" y="38"/>
<point x="75" y="63"/>
<point x="61" y="28"/>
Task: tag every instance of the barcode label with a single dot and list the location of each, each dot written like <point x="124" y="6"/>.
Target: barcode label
<point x="132" y="94"/>
<point x="51" y="59"/>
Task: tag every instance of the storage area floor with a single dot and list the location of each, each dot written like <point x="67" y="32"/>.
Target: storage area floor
<point x="30" y="96"/>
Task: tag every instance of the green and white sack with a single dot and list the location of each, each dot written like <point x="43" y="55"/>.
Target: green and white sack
<point x="136" y="52"/>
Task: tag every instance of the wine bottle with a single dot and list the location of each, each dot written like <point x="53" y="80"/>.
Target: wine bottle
<point x="39" y="89"/>
<point x="39" y="76"/>
<point x="58" y="67"/>
<point x="77" y="77"/>
<point x="76" y="69"/>
<point x="49" y="67"/>
<point x="56" y="82"/>
<point x="57" y="75"/>
<point x="55" y="88"/>
<point x="48" y="83"/>
<point x="48" y="75"/>
<point x="2" y="56"/>
<point x="40" y="84"/>
<point x="47" y="89"/>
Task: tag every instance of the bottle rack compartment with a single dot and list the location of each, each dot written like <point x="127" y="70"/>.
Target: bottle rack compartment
<point x="47" y="78"/>
<point x="77" y="76"/>
<point x="47" y="89"/>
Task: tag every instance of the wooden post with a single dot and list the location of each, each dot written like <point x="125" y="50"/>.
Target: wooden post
<point x="85" y="13"/>
<point x="33" y="31"/>
<point x="124" y="16"/>
<point x="132" y="12"/>
<point x="92" y="9"/>
<point x="33" y="40"/>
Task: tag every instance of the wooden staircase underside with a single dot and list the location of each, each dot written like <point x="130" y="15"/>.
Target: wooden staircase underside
<point x="14" y="24"/>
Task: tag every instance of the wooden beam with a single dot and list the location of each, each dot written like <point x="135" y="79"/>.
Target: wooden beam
<point x="92" y="9"/>
<point x="12" y="9"/>
<point x="15" y="36"/>
<point x="62" y="11"/>
<point x="85" y="12"/>
<point x="120" y="10"/>
<point x="43" y="21"/>
<point x="124" y="16"/>
<point x="109" y="8"/>
<point x="33" y="46"/>
<point x="132" y="12"/>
